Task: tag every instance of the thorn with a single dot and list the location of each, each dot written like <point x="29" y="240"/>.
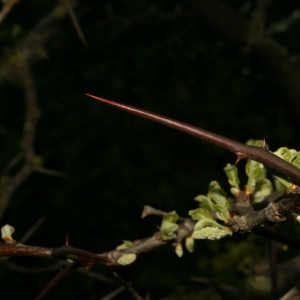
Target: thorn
<point x="240" y="156"/>
<point x="67" y="240"/>
<point x="264" y="145"/>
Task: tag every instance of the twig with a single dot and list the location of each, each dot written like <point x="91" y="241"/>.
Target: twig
<point x="13" y="162"/>
<point x="63" y="273"/>
<point x="46" y="171"/>
<point x="20" y="73"/>
<point x="76" y="23"/>
<point x="114" y="293"/>
<point x="7" y="7"/>
<point x="293" y="294"/>
<point x="29" y="128"/>
<point x="148" y="210"/>
<point x="128" y="285"/>
<point x="32" y="230"/>
<point x="98" y="276"/>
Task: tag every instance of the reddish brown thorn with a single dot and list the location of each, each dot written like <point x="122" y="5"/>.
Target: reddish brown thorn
<point x="67" y="240"/>
<point x="241" y="150"/>
<point x="239" y="157"/>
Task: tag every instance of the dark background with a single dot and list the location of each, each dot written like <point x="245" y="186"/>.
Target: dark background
<point x="168" y="58"/>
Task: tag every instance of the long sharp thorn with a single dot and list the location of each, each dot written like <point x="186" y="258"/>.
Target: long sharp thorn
<point x="241" y="150"/>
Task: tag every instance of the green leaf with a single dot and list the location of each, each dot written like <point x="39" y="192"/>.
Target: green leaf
<point x="234" y="191"/>
<point x="256" y="143"/>
<point x="205" y="202"/>
<point x="284" y="153"/>
<point x="209" y="229"/>
<point x="232" y="174"/>
<point x="283" y="179"/>
<point x="7" y="232"/>
<point x="200" y="213"/>
<point x="125" y="245"/>
<point x="126" y="259"/>
<point x="169" y="226"/>
<point x="291" y="156"/>
<point x="167" y="230"/>
<point x="296" y="160"/>
<point x="254" y="171"/>
<point x="190" y="244"/>
<point x="263" y="188"/>
<point x="218" y="197"/>
<point x="178" y="250"/>
<point x="280" y="186"/>
<point x="171" y="217"/>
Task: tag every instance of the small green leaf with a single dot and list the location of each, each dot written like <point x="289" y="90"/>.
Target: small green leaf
<point x="190" y="244"/>
<point x="218" y="197"/>
<point x="282" y="179"/>
<point x="263" y="188"/>
<point x="293" y="154"/>
<point x="234" y="191"/>
<point x="169" y="226"/>
<point x="178" y="250"/>
<point x="171" y="217"/>
<point x="126" y="259"/>
<point x="296" y="160"/>
<point x="167" y="230"/>
<point x="256" y="143"/>
<point x="284" y="153"/>
<point x="205" y="202"/>
<point x="126" y="244"/>
<point x="254" y="171"/>
<point x="280" y="186"/>
<point x="232" y="174"/>
<point x="6" y="232"/>
<point x="209" y="229"/>
<point x="285" y="180"/>
<point x="199" y="213"/>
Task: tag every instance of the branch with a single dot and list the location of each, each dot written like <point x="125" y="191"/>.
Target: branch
<point x="31" y="50"/>
<point x="63" y="273"/>
<point x="260" y="154"/>
<point x="128" y="286"/>
<point x="16" y="67"/>
<point x="76" y="23"/>
<point x="293" y="294"/>
<point x="82" y="258"/>
<point x="7" y="7"/>
<point x="66" y="253"/>
<point x="114" y="293"/>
